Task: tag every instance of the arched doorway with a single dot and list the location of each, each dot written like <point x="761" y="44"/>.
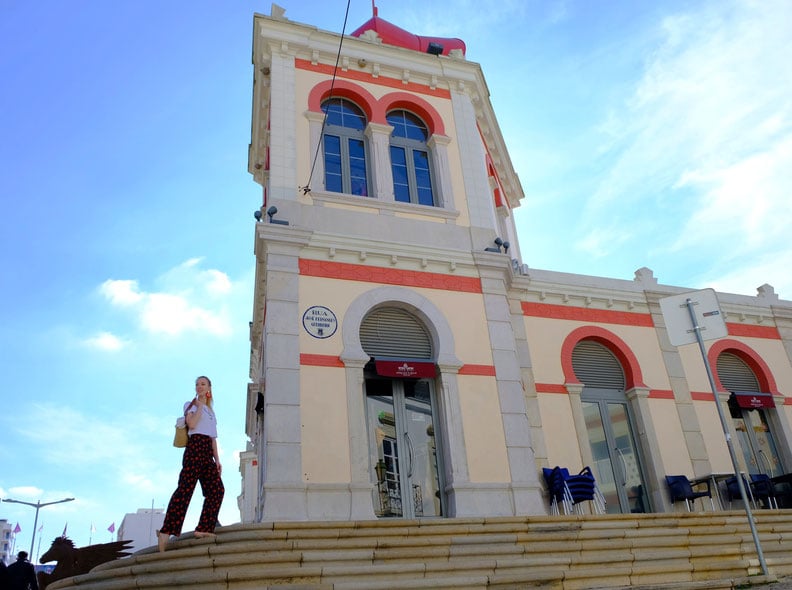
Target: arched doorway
<point x="401" y="407"/>
<point x="609" y="426"/>
<point x="748" y="407"/>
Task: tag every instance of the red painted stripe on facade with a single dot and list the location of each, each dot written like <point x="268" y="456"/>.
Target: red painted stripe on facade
<point x="702" y="396"/>
<point x="661" y="394"/>
<point x="770" y="332"/>
<point x="550" y="388"/>
<point x="602" y="316"/>
<point x="388" y="276"/>
<point x="320" y="360"/>
<point x="483" y="370"/>
<point x="304" y="64"/>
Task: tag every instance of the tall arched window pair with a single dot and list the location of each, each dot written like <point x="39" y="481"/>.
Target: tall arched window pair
<point x="345" y="153"/>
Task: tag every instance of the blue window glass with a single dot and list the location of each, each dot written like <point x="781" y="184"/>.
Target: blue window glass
<point x="343" y="113"/>
<point x="345" y="147"/>
<point x="401" y="185"/>
<point x="333" y="177"/>
<point x="412" y="174"/>
<point x="423" y="178"/>
<point x="357" y="167"/>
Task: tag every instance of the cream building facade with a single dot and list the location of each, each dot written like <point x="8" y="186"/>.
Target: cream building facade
<point x="405" y="362"/>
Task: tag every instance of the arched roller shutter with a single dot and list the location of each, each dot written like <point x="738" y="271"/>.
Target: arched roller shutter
<point x="596" y="366"/>
<point x="392" y="332"/>
<point x="735" y="375"/>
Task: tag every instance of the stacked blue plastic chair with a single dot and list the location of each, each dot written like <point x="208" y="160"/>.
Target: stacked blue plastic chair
<point x="554" y="478"/>
<point x="583" y="488"/>
<point x="572" y="490"/>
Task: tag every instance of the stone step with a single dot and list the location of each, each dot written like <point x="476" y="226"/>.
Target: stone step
<point x="697" y="550"/>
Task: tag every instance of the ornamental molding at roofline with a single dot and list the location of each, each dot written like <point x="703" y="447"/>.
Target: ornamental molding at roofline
<point x="388" y="255"/>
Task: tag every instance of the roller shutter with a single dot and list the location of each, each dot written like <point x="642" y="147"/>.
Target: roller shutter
<point x="735" y="375"/>
<point x="390" y="332"/>
<point x="596" y="366"/>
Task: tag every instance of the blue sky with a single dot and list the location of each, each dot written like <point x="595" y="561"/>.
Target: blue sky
<point x="653" y="134"/>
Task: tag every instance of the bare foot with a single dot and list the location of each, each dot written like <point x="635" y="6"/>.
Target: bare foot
<point x="162" y="540"/>
<point x="203" y="535"/>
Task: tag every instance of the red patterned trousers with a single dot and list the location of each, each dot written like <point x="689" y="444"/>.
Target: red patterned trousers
<point x="197" y="465"/>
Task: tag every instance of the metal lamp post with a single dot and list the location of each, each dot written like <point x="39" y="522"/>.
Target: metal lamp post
<point x="37" y="506"/>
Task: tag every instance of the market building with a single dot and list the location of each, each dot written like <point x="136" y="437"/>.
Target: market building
<point x="406" y="362"/>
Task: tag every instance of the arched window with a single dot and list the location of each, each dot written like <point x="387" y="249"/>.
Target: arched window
<point x="345" y="148"/>
<point x="412" y="177"/>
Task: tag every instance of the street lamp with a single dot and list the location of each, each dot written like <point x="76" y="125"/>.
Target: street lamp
<point x="37" y="506"/>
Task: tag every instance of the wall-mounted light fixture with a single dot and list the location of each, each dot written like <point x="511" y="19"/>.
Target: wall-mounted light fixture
<point x="257" y="214"/>
<point x="499" y="243"/>
<point x="271" y="213"/>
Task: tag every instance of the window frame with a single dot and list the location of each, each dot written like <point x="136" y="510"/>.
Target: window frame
<point x="346" y="135"/>
<point x="410" y="147"/>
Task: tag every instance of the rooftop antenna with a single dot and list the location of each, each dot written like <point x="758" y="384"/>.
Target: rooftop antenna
<point x="373" y="8"/>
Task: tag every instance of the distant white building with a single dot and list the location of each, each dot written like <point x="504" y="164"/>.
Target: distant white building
<point x="141" y="527"/>
<point x="6" y="541"/>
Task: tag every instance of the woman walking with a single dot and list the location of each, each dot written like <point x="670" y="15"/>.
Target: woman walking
<point x="199" y="463"/>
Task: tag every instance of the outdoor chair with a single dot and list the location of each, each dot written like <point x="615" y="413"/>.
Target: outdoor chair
<point x="680" y="489"/>
<point x="572" y="490"/>
<point x="763" y="488"/>
<point x="733" y="490"/>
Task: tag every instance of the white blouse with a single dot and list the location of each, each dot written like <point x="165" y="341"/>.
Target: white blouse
<point x="207" y="423"/>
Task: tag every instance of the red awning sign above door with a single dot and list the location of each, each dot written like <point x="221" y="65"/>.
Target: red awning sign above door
<point x="754" y="400"/>
<point x="405" y="369"/>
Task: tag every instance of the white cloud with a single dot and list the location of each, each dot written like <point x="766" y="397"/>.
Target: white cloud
<point x="26" y="492"/>
<point x="218" y="282"/>
<point x="748" y="200"/>
<point x="105" y="341"/>
<point x="122" y="293"/>
<point x="164" y="313"/>
<point x="192" y="300"/>
<point x="700" y="154"/>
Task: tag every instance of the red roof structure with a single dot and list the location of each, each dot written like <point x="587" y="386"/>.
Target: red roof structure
<point x="393" y="35"/>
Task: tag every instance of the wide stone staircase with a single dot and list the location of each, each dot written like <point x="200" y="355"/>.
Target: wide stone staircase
<point x="707" y="550"/>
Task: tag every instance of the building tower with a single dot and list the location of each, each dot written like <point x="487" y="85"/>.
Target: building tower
<point x="406" y="363"/>
<point x="388" y="358"/>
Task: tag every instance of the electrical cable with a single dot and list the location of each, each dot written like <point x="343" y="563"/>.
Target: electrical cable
<point x="307" y="188"/>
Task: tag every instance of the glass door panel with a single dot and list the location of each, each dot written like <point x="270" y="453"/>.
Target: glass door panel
<point x="402" y="448"/>
<point x="603" y="466"/>
<point x="421" y="450"/>
<point x="628" y="467"/>
<point x="615" y="456"/>
<point x="757" y="442"/>
<point x="384" y="449"/>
